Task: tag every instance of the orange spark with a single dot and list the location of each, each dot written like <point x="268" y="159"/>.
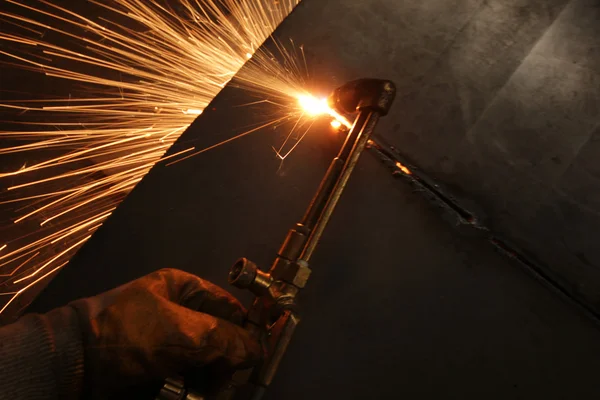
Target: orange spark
<point x="108" y="138"/>
<point x="403" y="168"/>
<point x="315" y="107"/>
<point x="312" y="105"/>
<point x="335" y="124"/>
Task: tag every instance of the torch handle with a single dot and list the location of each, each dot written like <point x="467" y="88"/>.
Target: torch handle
<point x="330" y="180"/>
<point x="364" y="126"/>
<point x="315" y="220"/>
<point x="277" y="289"/>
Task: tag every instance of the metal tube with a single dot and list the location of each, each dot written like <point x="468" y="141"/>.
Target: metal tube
<point x="364" y="133"/>
<point x="319" y="201"/>
<point x="315" y="220"/>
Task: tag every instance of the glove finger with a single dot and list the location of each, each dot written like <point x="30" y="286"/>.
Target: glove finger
<point x="215" y="340"/>
<point x="220" y="305"/>
<point x="197" y="294"/>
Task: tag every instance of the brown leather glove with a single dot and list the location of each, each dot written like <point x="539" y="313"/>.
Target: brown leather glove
<point x="158" y="326"/>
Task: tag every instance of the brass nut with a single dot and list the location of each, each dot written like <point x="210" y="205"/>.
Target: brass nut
<point x="301" y="276"/>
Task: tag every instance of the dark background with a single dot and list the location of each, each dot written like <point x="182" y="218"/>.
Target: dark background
<point x="498" y="100"/>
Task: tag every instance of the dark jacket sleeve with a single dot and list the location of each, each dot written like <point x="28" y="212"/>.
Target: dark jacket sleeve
<point x="41" y="357"/>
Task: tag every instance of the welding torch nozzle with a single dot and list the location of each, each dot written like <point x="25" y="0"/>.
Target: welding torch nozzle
<point x="376" y="95"/>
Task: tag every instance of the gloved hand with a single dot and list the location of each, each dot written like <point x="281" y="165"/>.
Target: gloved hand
<point x="159" y="326"/>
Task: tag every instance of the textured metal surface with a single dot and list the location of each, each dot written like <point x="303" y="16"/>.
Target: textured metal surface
<point x="499" y="100"/>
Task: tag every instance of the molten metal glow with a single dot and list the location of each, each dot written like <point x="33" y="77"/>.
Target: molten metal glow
<point x="312" y="105"/>
<point x="143" y="72"/>
<point x="403" y="168"/>
<point x="315" y="107"/>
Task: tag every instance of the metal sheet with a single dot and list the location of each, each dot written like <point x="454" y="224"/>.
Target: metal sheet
<point x="400" y="304"/>
<point x="498" y="100"/>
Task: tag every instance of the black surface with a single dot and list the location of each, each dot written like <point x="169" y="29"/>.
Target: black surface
<point x="497" y="99"/>
<point x="399" y="304"/>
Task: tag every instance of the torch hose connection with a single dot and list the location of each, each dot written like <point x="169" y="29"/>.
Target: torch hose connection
<point x="274" y="315"/>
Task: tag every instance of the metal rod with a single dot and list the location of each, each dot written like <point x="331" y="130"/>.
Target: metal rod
<point x="319" y="201"/>
<point x="364" y="132"/>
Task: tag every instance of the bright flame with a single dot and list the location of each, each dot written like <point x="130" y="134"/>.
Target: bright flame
<point x="313" y="106"/>
<point x="335" y="124"/>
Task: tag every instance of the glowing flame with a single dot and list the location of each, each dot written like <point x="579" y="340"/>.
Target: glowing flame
<point x="403" y="168"/>
<point x="313" y="106"/>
